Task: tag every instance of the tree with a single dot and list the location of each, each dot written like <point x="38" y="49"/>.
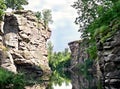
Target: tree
<point x="89" y="10"/>
<point x="50" y="50"/>
<point x="38" y="15"/>
<point x="16" y="4"/>
<point x="47" y="16"/>
<point x="2" y="8"/>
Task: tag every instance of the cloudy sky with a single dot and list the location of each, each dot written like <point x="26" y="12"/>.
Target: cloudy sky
<point x="63" y="29"/>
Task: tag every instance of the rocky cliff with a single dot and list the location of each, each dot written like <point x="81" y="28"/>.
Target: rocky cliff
<point x="81" y="74"/>
<point x="106" y="68"/>
<point x="109" y="61"/>
<point x="23" y="44"/>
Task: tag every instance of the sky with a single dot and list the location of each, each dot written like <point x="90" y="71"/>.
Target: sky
<point x="63" y="28"/>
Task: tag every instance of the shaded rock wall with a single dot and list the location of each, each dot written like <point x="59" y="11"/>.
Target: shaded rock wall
<point x="106" y="68"/>
<point x="78" y="58"/>
<point x="109" y="61"/>
<point x="23" y="44"/>
<point x="78" y="53"/>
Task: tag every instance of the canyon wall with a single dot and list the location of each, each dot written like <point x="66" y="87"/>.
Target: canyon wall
<point x="109" y="61"/>
<point x="23" y="44"/>
<point x="105" y="68"/>
<point x="81" y="79"/>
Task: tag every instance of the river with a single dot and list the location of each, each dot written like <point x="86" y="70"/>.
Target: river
<point x="72" y="80"/>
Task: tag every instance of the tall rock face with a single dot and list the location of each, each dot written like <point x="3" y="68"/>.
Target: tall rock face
<point x="78" y="76"/>
<point x="109" y="61"/>
<point x="78" y="53"/>
<point x="106" y="68"/>
<point x="23" y="44"/>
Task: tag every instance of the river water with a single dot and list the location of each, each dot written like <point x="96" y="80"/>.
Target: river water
<point x="72" y="80"/>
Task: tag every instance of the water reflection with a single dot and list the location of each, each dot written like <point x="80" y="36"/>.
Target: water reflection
<point x="68" y="80"/>
<point x="71" y="80"/>
<point x="58" y="79"/>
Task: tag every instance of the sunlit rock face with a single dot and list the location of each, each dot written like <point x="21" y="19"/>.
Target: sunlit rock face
<point x="109" y="61"/>
<point x="23" y="44"/>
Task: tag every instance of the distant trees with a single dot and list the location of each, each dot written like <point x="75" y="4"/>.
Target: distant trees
<point x="16" y="4"/>
<point x="46" y="16"/>
<point x="58" y="60"/>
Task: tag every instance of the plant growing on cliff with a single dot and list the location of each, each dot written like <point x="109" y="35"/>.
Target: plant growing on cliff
<point x="16" y="4"/>
<point x="38" y="15"/>
<point x="2" y="8"/>
<point x="47" y="16"/>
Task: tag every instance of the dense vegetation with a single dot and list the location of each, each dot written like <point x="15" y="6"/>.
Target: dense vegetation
<point x="58" y="62"/>
<point x="13" y="4"/>
<point x="16" y="4"/>
<point x="9" y="80"/>
<point x="98" y="19"/>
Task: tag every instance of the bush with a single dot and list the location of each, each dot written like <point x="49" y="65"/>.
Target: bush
<point x="11" y="80"/>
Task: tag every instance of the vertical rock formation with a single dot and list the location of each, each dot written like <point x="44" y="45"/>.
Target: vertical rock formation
<point x="23" y="44"/>
<point x="107" y="67"/>
<point x="109" y="61"/>
<point x="78" y="58"/>
<point x="78" y="53"/>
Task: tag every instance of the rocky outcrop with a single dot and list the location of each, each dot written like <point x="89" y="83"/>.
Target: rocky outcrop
<point x="23" y="44"/>
<point x="78" y="52"/>
<point x="80" y="80"/>
<point x="106" y="68"/>
<point x="109" y="61"/>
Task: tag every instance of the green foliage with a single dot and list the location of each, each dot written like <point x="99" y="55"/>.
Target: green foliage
<point x="58" y="61"/>
<point x="2" y="8"/>
<point x="92" y="50"/>
<point x="105" y="21"/>
<point x="47" y="16"/>
<point x="38" y="15"/>
<point x="84" y="68"/>
<point x="16" y="4"/>
<point x="11" y="80"/>
<point x="89" y="10"/>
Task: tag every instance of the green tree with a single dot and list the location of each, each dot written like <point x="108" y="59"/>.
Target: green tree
<point x="47" y="16"/>
<point x="16" y="4"/>
<point x="38" y="15"/>
<point x="50" y="50"/>
<point x="89" y="10"/>
<point x="2" y="8"/>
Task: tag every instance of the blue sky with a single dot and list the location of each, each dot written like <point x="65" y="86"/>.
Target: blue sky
<point x="63" y="28"/>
